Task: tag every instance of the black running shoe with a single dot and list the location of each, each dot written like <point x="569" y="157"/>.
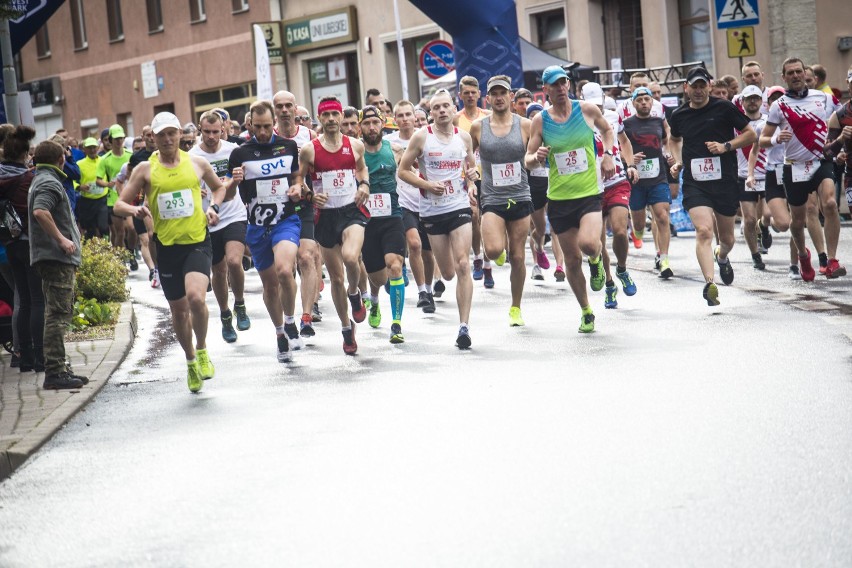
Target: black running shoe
<point x="438" y="289"/>
<point x="463" y="340"/>
<point x="423" y="299"/>
<point x="726" y="271"/>
<point x="757" y="261"/>
<point x="430" y="309"/>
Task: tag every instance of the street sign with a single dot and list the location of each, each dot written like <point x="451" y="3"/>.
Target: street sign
<point x="437" y="59"/>
<point x="736" y="13"/>
<point x="740" y="42"/>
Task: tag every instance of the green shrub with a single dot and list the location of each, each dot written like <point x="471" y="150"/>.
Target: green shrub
<point x="103" y="273"/>
<point x="90" y="313"/>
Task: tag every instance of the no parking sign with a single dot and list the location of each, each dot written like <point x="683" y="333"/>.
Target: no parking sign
<point x="437" y="59"/>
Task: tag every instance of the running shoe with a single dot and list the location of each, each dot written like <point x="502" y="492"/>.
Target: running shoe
<point x="477" y="269"/>
<point x="430" y="309"/>
<point x="542" y="260"/>
<point x="404" y="275"/>
<point x="205" y="366"/>
<point x="155" y="278"/>
<point x="396" y="334"/>
<point x="134" y="264"/>
<point x="284" y="355"/>
<point x="243" y="321"/>
<point x="438" y="289"/>
<point x="536" y="273"/>
<point x="463" y="340"/>
<point x="515" y="319"/>
<point x="711" y="294"/>
<point x="726" y="271"/>
<point x="597" y="277"/>
<point x="229" y="334"/>
<point x="193" y="377"/>
<point x="422" y="299"/>
<point x="559" y="274"/>
<point x="672" y="230"/>
<point x="296" y="341"/>
<point x="765" y="235"/>
<point x="375" y="318"/>
<point x="350" y="346"/>
<point x="627" y="283"/>
<point x="657" y="262"/>
<point x="316" y="314"/>
<point x="834" y="269"/>
<point x="757" y="261"/>
<point x="807" y="269"/>
<point x="793" y="273"/>
<point x="248" y="263"/>
<point x="359" y="311"/>
<point x="587" y="323"/>
<point x="501" y="260"/>
<point x="665" y="270"/>
<point x="610" y="302"/>
<point x="306" y="328"/>
<point x="489" y="279"/>
<point x="637" y="242"/>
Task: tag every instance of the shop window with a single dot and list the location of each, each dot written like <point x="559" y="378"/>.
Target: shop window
<point x="336" y="75"/>
<point x="116" y="28"/>
<point x="551" y="32"/>
<point x="78" y="25"/>
<point x="236" y="99"/>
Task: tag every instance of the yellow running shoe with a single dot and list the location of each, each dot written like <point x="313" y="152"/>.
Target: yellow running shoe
<point x="515" y="319"/>
<point x="193" y="377"/>
<point x="501" y="260"/>
<point x="205" y="366"/>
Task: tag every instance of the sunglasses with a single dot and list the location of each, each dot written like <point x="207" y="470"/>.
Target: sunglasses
<point x="187" y="142"/>
<point x="304" y="118"/>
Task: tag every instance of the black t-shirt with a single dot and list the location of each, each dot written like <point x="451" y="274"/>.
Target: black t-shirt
<point x="647" y="135"/>
<point x="236" y="140"/>
<point x="714" y="122"/>
<point x="268" y="170"/>
<point x="138" y="157"/>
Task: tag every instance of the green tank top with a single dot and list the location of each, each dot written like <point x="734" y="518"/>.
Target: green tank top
<point x="382" y="168"/>
<point x="573" y="170"/>
<point x="175" y="202"/>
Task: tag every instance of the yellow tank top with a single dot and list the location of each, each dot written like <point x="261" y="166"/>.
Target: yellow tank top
<point x="464" y="124"/>
<point x="175" y="202"/>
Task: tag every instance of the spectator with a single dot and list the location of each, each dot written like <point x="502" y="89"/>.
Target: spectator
<point x="71" y="171"/>
<point x="821" y="79"/>
<point x="733" y="85"/>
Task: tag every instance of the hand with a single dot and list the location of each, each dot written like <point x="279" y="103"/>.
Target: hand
<point x="67" y="246"/>
<point x="632" y="174"/>
<point x="638" y="157"/>
<point x="212" y="217"/>
<point x="362" y="194"/>
<point x="111" y="184"/>
<point x="295" y="193"/>
<point x="750" y="181"/>
<point x="471" y="196"/>
<point x="607" y="166"/>
<point x="715" y="147"/>
<point x="472" y="174"/>
<point x="670" y="160"/>
<point x="436" y="188"/>
<point x="675" y="169"/>
<point x="841" y="158"/>
<point x="785" y="136"/>
<point x="204" y="191"/>
<point x="320" y="199"/>
<point x="237" y="174"/>
<point x="141" y="212"/>
<point x="542" y="153"/>
<point x="846" y="133"/>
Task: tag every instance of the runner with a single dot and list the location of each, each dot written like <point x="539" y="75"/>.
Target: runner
<point x="840" y="136"/>
<point x="108" y="168"/>
<point x="649" y="136"/>
<point x="751" y="196"/>
<point x="92" y="212"/>
<point x="501" y="140"/>
<point x="341" y="187"/>
<point x="445" y="156"/>
<point x="228" y="237"/>
<point x="700" y="132"/>
<point x="563" y="135"/>
<point x="384" y="239"/>
<point x="170" y="181"/>
<point x="802" y="115"/>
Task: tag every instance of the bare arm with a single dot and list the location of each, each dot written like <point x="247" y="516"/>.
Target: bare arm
<point x="592" y="113"/>
<point x="746" y="138"/>
<point x="362" y="172"/>
<point x="536" y="153"/>
<point x="140" y="181"/>
<point x="475" y="131"/>
<point x="676" y="150"/>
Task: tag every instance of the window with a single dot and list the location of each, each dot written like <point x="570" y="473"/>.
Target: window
<point x="551" y="32"/>
<point x="42" y="42"/>
<point x="78" y="25"/>
<point x="235" y="99"/>
<point x="116" y="29"/>
<point x="197" y="12"/>
<point x="239" y="6"/>
<point x="155" y="16"/>
<point x="623" y="33"/>
<point x="695" y="32"/>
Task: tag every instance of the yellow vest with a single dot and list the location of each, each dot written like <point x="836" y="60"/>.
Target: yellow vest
<point x="175" y="202"/>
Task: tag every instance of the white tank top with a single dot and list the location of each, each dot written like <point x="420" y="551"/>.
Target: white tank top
<point x="443" y="162"/>
<point x="302" y="137"/>
<point x="409" y="196"/>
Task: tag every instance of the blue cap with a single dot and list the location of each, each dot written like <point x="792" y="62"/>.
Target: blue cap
<point x="534" y="107"/>
<point x="641" y="91"/>
<point x="553" y="74"/>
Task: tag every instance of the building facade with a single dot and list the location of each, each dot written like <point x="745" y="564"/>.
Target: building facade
<point x="98" y="62"/>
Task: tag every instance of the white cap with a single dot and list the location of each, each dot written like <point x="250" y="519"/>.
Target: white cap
<point x="751" y="91"/>
<point x="609" y="103"/>
<point x="592" y="93"/>
<point x="164" y="120"/>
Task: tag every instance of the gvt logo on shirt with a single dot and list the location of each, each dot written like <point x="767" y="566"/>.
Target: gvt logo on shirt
<point x="281" y="166"/>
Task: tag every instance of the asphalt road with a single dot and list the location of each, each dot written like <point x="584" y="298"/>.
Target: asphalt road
<point x="676" y="435"/>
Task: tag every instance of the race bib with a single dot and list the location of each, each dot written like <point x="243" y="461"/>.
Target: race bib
<point x="93" y="189"/>
<point x="379" y="204"/>
<point x="271" y="191"/>
<point x="573" y="162"/>
<point x="506" y="174"/>
<point x="176" y="204"/>
<point x="804" y="171"/>
<point x="759" y="185"/>
<point x="338" y="183"/>
<point x="453" y="191"/>
<point x="649" y="168"/>
<point x="706" y="169"/>
<point x="540" y="171"/>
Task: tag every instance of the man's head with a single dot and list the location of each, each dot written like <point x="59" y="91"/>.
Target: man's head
<point x="593" y="93"/>
<point x="303" y="117"/>
<point x="752" y="98"/>
<point x="211" y="124"/>
<point x="372" y="121"/>
<point x="330" y="112"/>
<point x="820" y="73"/>
<point x="752" y="74"/>
<point x="90" y="147"/>
<point x="374" y="97"/>
<point x="50" y="152"/>
<point x="643" y="100"/>
<point x="733" y="85"/>
<point x="469" y="91"/>
<point x="188" y="135"/>
<point x="523" y="98"/>
<point x="138" y="144"/>
<point x="500" y="95"/>
<point x="261" y="116"/>
<point x="116" y="138"/>
<point x="556" y="84"/>
<point x="64" y="133"/>
<point x="421" y="117"/>
<point x="697" y="86"/>
<point x="774" y="93"/>
<point x="441" y="107"/>
<point x="148" y="135"/>
<point x="719" y="89"/>
<point x="167" y="132"/>
<point x="403" y="115"/>
<point x="656" y="90"/>
<point x="810" y="78"/>
<point x="284" y="103"/>
<point x="638" y="79"/>
<point x="349" y="123"/>
<point x="793" y="73"/>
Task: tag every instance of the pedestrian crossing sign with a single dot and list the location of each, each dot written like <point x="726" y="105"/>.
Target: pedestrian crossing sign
<point x="736" y="13"/>
<point x="740" y="42"/>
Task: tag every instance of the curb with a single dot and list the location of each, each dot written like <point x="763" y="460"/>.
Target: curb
<point x="125" y="333"/>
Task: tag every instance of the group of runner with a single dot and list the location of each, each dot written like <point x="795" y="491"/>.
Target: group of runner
<point x="472" y="180"/>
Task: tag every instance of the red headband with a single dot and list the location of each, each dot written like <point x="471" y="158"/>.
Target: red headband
<point x="326" y="106"/>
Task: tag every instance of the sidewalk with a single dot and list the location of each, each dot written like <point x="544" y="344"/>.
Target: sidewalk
<point x="29" y="415"/>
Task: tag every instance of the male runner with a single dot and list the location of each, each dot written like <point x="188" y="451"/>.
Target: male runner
<point x="341" y="187"/>
<point x="563" y="135"/>
<point x="92" y="210"/>
<point x="108" y="168"/>
<point x="751" y="196"/>
<point x="445" y="156"/>
<point x="170" y="180"/>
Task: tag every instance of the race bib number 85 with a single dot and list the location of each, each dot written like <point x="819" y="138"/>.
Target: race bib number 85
<point x="338" y="183"/>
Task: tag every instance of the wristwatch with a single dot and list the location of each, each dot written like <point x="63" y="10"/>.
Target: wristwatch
<point x="215" y="208"/>
<point x="364" y="182"/>
<point x="727" y="146"/>
<point x="608" y="153"/>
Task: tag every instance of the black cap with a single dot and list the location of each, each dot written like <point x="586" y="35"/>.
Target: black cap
<point x="698" y="74"/>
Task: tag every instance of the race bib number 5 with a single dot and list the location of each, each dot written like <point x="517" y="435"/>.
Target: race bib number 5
<point x="573" y="162"/>
<point x="338" y="183"/>
<point x="804" y="171"/>
<point x="379" y="204"/>
<point x="706" y="169"/>
<point x="271" y="191"/>
<point x="506" y="174"/>
<point x="176" y="204"/>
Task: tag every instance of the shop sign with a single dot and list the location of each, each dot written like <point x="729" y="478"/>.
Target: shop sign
<point x="320" y="30"/>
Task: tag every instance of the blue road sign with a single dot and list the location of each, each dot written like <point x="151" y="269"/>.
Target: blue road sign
<point x="736" y="13"/>
<point x="437" y="58"/>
